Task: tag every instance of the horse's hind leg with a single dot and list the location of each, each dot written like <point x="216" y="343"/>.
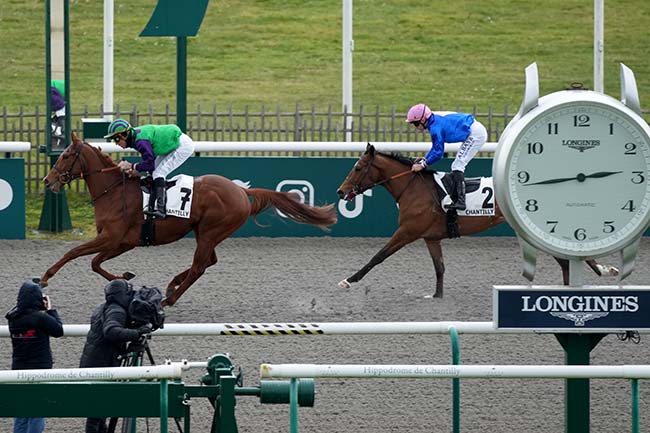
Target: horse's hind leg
<point x="603" y="270"/>
<point x="564" y="265"/>
<point x="435" y="250"/>
<point x="600" y="270"/>
<point x="107" y="255"/>
<point x="178" y="279"/>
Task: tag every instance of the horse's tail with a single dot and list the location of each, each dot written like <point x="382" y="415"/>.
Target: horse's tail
<point x="290" y="205"/>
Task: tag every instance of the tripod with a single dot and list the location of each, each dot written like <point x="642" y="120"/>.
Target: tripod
<point x="134" y="357"/>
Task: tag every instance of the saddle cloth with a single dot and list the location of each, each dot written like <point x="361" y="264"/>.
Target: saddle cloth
<point x="179" y="196"/>
<point x="479" y="194"/>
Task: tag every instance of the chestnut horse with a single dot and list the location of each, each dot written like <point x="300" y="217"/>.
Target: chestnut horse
<point x="420" y="213"/>
<point x="219" y="208"/>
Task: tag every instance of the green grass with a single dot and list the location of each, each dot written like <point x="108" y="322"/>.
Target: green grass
<point x="449" y="54"/>
<point x="454" y="55"/>
<point x="82" y="216"/>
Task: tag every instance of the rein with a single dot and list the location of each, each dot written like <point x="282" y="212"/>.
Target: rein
<point x="64" y="178"/>
<point x="358" y="190"/>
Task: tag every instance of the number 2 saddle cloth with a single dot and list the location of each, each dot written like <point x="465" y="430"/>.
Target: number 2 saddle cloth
<point x="479" y="194"/>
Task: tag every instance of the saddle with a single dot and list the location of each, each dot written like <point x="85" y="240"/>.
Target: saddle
<point x="146" y="183"/>
<point x="148" y="229"/>
<point x="471" y="184"/>
<point x="479" y="196"/>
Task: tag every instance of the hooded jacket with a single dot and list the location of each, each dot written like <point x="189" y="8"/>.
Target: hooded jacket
<point x="108" y="333"/>
<point x="31" y="327"/>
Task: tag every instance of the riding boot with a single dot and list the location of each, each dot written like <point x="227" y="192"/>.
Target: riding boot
<point x="149" y="210"/>
<point x="160" y="210"/>
<point x="459" y="186"/>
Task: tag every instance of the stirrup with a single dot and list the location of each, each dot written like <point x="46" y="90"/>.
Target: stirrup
<point x="457" y="206"/>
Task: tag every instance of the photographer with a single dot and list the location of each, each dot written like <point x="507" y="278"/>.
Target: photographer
<point x="31" y="323"/>
<point x="109" y="335"/>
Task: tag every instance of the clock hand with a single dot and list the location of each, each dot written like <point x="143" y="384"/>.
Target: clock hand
<point x="580" y="177"/>
<point x="550" y="181"/>
<point x="601" y="174"/>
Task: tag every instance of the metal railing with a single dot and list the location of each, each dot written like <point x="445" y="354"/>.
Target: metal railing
<point x="219" y="123"/>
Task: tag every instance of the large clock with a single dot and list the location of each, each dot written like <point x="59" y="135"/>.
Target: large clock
<point x="572" y="172"/>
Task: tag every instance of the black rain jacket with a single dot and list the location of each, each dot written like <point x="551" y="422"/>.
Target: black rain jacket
<point x="108" y="333"/>
<point x="31" y="327"/>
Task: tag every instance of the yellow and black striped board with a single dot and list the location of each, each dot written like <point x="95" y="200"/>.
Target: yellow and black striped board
<point x="272" y="329"/>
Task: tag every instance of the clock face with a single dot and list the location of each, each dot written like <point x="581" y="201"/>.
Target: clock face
<point x="577" y="178"/>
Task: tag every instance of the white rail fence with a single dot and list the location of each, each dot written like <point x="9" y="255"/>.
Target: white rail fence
<point x="407" y="371"/>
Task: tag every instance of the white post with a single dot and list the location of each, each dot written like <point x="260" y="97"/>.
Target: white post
<point x="599" y="44"/>
<point x="108" y="59"/>
<point x="57" y="40"/>
<point x="348" y="47"/>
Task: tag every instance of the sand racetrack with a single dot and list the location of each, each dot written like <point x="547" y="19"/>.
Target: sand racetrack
<point x="294" y="280"/>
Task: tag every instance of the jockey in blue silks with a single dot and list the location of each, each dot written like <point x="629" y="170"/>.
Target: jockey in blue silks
<point x="449" y="128"/>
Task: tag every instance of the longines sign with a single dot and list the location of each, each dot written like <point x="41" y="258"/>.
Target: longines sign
<point x="564" y="309"/>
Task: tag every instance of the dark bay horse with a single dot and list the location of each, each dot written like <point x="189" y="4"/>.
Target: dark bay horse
<point x="219" y="208"/>
<point x="420" y="213"/>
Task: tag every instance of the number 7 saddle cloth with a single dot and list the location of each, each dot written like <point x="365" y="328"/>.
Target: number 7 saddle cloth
<point x="179" y="195"/>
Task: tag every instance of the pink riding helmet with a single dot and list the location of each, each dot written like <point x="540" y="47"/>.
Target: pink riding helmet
<point x="418" y="113"/>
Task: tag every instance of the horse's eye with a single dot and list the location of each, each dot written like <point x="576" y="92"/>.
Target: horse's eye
<point x="357" y="168"/>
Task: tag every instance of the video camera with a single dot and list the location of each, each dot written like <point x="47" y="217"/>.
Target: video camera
<point x="145" y="307"/>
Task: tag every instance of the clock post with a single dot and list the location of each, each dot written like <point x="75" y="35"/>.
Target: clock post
<point x="577" y="348"/>
<point x="571" y="178"/>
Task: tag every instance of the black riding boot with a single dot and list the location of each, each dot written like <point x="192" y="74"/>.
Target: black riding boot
<point x="459" y="186"/>
<point x="161" y="193"/>
<point x="149" y="210"/>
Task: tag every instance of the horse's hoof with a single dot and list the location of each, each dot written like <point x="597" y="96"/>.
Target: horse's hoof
<point x="166" y="302"/>
<point x="608" y="271"/>
<point x="437" y="295"/>
<point x="344" y="284"/>
<point x="128" y="275"/>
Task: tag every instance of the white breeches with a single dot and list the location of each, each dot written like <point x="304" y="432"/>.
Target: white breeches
<point x="475" y="140"/>
<point x="165" y="164"/>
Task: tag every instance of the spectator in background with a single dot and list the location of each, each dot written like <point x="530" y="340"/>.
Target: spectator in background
<point x="57" y="102"/>
<point x="31" y="324"/>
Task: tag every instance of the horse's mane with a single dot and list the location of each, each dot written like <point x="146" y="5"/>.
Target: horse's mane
<point x="398" y="157"/>
<point x="103" y="156"/>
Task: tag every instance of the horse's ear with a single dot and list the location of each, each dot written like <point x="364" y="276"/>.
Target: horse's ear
<point x="370" y="149"/>
<point x="74" y="137"/>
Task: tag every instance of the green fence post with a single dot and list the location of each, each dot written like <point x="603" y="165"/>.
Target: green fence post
<point x="455" y="383"/>
<point x="164" y="401"/>
<point x="293" y="405"/>
<point x="576" y="397"/>
<point x="55" y="215"/>
<point x="635" y="405"/>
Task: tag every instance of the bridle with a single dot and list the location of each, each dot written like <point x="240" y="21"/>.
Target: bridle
<point x="357" y="189"/>
<point x="65" y="177"/>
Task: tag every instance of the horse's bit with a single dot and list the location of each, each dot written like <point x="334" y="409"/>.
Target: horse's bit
<point x="64" y="178"/>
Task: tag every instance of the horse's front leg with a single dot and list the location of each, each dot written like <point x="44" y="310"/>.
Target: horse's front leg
<point x="107" y="255"/>
<point x="435" y="250"/>
<point x="96" y="245"/>
<point x="399" y="239"/>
